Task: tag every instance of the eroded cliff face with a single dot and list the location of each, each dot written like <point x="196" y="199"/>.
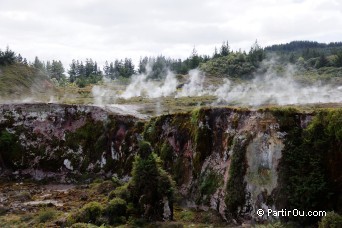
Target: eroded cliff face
<point x="223" y="159"/>
<point x="230" y="160"/>
<point x="64" y="142"/>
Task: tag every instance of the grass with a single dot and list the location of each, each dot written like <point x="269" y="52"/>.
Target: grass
<point x="46" y="214"/>
<point x="19" y="81"/>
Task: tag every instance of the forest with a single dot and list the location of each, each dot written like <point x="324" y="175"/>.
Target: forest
<point x="309" y="56"/>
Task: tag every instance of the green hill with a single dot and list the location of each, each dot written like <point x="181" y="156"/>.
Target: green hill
<point x="20" y="81"/>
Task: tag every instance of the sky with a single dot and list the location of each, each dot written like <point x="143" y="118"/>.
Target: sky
<point x="114" y="29"/>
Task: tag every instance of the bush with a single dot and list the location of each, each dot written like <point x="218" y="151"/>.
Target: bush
<point x="90" y="213"/>
<point x="331" y="220"/>
<point x="46" y="215"/>
<point x="121" y="192"/>
<point x="116" y="209"/>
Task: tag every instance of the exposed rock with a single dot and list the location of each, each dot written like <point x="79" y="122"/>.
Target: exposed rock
<point x="70" y="143"/>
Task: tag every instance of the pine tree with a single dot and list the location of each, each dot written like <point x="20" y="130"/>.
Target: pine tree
<point x="7" y="57"/>
<point x="225" y="49"/>
<point x="72" y="71"/>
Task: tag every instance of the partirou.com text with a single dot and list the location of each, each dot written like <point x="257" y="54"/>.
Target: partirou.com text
<point x="294" y="212"/>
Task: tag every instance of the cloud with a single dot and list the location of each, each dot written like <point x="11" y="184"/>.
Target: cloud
<point x="105" y="30"/>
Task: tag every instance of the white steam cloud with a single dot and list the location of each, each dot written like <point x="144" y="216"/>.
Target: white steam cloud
<point x="270" y="88"/>
<point x="142" y="86"/>
<point x="195" y="86"/>
<point x="267" y="88"/>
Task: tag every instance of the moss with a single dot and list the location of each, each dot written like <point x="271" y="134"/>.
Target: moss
<point x="187" y="216"/>
<point x="209" y="181"/>
<point x="236" y="186"/>
<point x="11" y="152"/>
<point x="166" y="152"/>
<point x="202" y="137"/>
<point x="91" y="138"/>
<point x="203" y="146"/>
<point x="262" y="177"/>
<point x="196" y="116"/>
<point x="178" y="170"/>
<point x="153" y="128"/>
<point x="286" y="116"/>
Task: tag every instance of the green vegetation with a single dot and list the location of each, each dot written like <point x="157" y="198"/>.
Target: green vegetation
<point x="116" y="211"/>
<point x="10" y="150"/>
<point x="141" y="197"/>
<point x="91" y="138"/>
<point x="7" y="57"/>
<point x="46" y="214"/>
<point x="187" y="216"/>
<point x="311" y="59"/>
<point x="21" y="81"/>
<point x="236" y="186"/>
<point x="90" y="213"/>
<point x="331" y="220"/>
<point x="166" y="153"/>
<point x="317" y="148"/>
<point x="209" y="181"/>
<point x="149" y="185"/>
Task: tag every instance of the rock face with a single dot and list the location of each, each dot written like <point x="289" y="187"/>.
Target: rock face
<point x="233" y="161"/>
<point x="63" y="142"/>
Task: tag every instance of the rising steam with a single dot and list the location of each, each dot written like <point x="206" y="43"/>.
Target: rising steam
<point x="142" y="86"/>
<point x="271" y="88"/>
<point x="266" y="88"/>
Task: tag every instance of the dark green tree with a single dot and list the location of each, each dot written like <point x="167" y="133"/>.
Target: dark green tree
<point x="7" y="57"/>
<point x="151" y="184"/>
<point x="256" y="54"/>
<point x="38" y="64"/>
<point x="225" y="49"/>
<point x="194" y="59"/>
<point x="216" y="54"/>
<point x="55" y="70"/>
<point x="322" y="61"/>
<point x="338" y="60"/>
<point x="72" y="71"/>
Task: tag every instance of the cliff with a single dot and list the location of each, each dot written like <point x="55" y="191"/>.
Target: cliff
<point x="234" y="161"/>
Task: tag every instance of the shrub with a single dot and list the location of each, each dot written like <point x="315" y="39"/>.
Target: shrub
<point x="46" y="215"/>
<point x="116" y="209"/>
<point x="121" y="192"/>
<point x="90" y="213"/>
<point x="332" y="220"/>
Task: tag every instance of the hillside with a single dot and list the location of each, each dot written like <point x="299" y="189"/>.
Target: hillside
<point x="22" y="82"/>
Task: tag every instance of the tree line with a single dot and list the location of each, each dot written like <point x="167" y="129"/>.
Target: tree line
<point x="223" y="62"/>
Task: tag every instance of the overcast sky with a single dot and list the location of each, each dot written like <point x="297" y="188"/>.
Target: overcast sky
<point x="109" y="29"/>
